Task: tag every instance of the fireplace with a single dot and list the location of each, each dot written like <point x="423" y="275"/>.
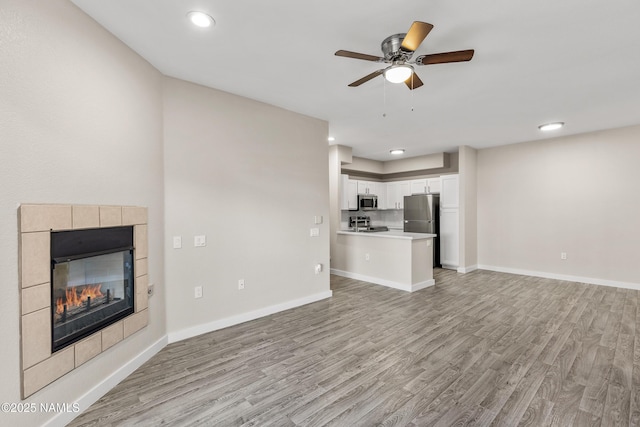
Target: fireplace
<point x="92" y="281"/>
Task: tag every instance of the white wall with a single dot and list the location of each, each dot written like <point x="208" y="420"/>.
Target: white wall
<point x="80" y="123"/>
<point x="251" y="177"/>
<point x="577" y="194"/>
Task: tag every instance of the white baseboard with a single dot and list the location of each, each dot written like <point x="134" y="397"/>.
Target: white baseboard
<point x="384" y="282"/>
<point x="569" y="278"/>
<point x="92" y="396"/>
<point x="422" y="285"/>
<point x="467" y="269"/>
<point x="245" y="317"/>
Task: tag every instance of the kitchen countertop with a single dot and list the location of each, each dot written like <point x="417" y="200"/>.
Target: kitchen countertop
<point x="391" y="234"/>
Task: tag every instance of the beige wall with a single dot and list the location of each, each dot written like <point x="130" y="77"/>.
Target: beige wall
<point x="577" y="194"/>
<point x="251" y="177"/>
<point x="468" y="157"/>
<point x="80" y="123"/>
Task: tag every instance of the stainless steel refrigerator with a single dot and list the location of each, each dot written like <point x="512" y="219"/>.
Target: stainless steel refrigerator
<point x="422" y="215"/>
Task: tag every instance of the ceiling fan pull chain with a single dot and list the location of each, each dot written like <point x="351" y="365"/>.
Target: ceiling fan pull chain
<point x="384" y="98"/>
<point x="412" y="74"/>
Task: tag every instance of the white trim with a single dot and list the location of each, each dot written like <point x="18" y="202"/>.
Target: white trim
<point x="102" y="388"/>
<point x="422" y="285"/>
<point x="569" y="278"/>
<point x="467" y="269"/>
<point x="245" y="317"/>
<point x="384" y="282"/>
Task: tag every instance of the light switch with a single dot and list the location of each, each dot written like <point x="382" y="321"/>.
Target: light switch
<point x="199" y="241"/>
<point x="177" y="242"/>
<point x="317" y="219"/>
<point x="314" y="232"/>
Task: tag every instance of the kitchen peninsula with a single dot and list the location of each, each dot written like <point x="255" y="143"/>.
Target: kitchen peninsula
<point x="390" y="258"/>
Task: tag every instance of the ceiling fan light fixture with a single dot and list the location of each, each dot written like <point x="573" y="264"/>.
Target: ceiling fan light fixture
<point x="397" y="151"/>
<point x="398" y="73"/>
<point x="550" y="126"/>
<point x="200" y="19"/>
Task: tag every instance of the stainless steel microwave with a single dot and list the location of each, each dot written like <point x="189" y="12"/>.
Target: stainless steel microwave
<point x="367" y="202"/>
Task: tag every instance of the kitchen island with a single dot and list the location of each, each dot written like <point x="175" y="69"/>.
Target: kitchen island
<point x="391" y="258"/>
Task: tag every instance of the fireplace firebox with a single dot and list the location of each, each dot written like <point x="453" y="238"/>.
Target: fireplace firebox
<point x="92" y="281"/>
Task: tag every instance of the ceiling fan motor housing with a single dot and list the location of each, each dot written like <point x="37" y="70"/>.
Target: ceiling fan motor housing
<point x="393" y="50"/>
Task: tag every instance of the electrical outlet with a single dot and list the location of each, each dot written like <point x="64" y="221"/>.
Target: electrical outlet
<point x="177" y="242"/>
<point x="563" y="255"/>
<point x="317" y="219"/>
<point x="367" y="257"/>
<point x="197" y="292"/>
<point x="241" y="284"/>
<point x="314" y="232"/>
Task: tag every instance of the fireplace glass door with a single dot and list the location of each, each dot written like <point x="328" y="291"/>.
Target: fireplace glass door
<point x="89" y="293"/>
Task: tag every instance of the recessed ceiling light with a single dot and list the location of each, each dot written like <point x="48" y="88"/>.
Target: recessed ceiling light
<point x="551" y="126"/>
<point x="397" y="151"/>
<point x="200" y="19"/>
<point x="331" y="139"/>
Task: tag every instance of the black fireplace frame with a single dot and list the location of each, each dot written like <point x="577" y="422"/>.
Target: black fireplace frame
<point x="70" y="245"/>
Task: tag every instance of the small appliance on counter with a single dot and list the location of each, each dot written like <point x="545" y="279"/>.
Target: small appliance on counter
<point x="362" y="223"/>
<point x="422" y="215"/>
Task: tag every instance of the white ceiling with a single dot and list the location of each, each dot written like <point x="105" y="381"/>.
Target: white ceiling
<point x="576" y="61"/>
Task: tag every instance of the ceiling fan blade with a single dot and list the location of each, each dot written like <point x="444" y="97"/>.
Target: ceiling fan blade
<point x="416" y="34"/>
<point x="413" y="82"/>
<point x="357" y="55"/>
<point x="366" y="78"/>
<point x="441" y="58"/>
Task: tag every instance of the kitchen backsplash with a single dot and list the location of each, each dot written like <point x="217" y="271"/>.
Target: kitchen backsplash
<point x="391" y="218"/>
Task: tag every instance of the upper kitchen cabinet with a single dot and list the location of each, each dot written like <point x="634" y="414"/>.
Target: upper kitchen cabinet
<point x="348" y="193"/>
<point x="368" y="187"/>
<point x="419" y="186"/>
<point x="425" y="186"/>
<point x="449" y="193"/>
<point x="396" y="192"/>
<point x="434" y="185"/>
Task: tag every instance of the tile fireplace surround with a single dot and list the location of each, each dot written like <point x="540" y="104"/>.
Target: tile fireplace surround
<point x="39" y="366"/>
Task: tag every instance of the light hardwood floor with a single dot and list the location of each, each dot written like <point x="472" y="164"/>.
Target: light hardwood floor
<point x="482" y="348"/>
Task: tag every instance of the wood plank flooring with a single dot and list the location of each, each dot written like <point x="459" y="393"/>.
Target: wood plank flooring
<point x="482" y="348"/>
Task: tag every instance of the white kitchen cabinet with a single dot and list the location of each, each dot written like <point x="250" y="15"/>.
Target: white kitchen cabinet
<point x="395" y="194"/>
<point x="449" y="193"/>
<point x="434" y="185"/>
<point x="419" y="186"/>
<point x="348" y="193"/>
<point x="449" y="222"/>
<point x="449" y="238"/>
<point x="367" y="187"/>
<point x="425" y="186"/>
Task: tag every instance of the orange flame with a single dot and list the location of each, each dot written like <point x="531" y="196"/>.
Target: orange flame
<point x="73" y="299"/>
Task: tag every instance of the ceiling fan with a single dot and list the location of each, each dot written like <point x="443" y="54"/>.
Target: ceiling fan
<point x="398" y="50"/>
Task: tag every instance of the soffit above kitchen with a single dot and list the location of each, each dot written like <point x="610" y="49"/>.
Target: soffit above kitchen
<point x="535" y="62"/>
